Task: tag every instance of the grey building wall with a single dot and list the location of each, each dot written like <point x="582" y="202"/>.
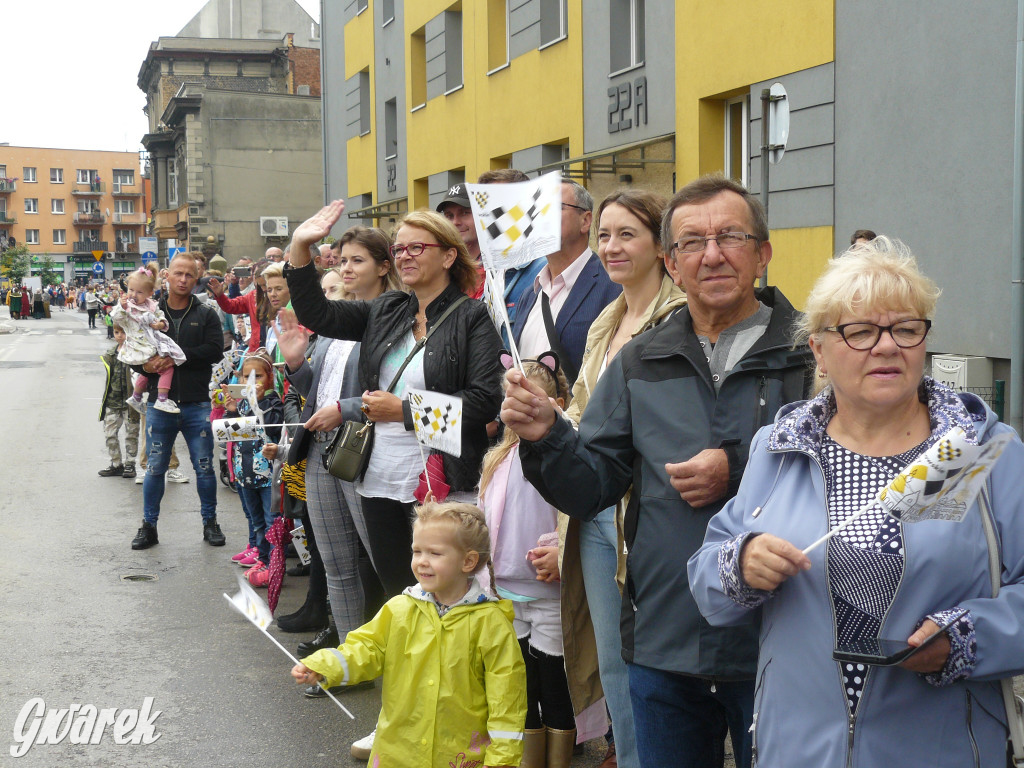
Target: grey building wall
<point x="801" y="185"/>
<point x="254" y="20"/>
<point x="924" y="151"/>
<point x="255" y="156"/>
<point x="637" y="104"/>
<point x="333" y="16"/>
<point x="444" y="53"/>
<point x="389" y="83"/>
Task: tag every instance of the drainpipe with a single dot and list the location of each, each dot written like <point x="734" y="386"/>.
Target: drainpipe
<point x="323" y="104"/>
<point x="1017" y="247"/>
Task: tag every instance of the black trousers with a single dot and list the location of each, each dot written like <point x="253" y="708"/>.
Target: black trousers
<point x="389" y="529"/>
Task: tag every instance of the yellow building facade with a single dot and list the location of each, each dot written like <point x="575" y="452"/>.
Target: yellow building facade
<point x="609" y="92"/>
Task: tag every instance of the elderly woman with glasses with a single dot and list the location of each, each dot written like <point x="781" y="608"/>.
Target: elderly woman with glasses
<point x="822" y="460"/>
<point x="461" y="359"/>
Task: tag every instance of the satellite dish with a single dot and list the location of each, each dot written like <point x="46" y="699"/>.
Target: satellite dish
<point x="107" y="212"/>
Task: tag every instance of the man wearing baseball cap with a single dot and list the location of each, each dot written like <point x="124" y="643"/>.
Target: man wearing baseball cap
<point x="456" y="208"/>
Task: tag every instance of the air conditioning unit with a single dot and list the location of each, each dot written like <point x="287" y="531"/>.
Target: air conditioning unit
<point x="117" y="187"/>
<point x="962" y="372"/>
<point x="274" y="226"/>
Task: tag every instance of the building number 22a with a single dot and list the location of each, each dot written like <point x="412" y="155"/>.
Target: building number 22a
<point x="627" y="105"/>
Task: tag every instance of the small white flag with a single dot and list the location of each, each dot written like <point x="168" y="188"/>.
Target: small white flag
<point x="943" y="483"/>
<point x="249" y="394"/>
<point x="437" y="420"/>
<point x="251" y="605"/>
<point x="517" y="223"/>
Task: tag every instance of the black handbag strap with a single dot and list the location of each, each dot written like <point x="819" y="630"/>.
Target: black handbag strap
<point x="568" y="368"/>
<point x="421" y="343"/>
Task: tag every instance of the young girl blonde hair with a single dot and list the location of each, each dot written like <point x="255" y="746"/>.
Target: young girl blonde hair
<point x="554" y="384"/>
<point x="147" y="274"/>
<point x="469" y="526"/>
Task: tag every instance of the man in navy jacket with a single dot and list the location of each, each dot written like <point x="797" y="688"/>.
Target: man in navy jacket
<point x="573" y="285"/>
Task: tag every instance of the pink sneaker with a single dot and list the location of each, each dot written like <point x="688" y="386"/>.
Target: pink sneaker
<point x="243" y="554"/>
<point x="253" y="558"/>
<point x="259" y="576"/>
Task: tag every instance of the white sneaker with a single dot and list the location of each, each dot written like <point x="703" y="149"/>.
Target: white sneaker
<point x="136" y="404"/>
<point x="361" y="749"/>
<point x="140" y="478"/>
<point x="175" y="476"/>
<point x="167" y="406"/>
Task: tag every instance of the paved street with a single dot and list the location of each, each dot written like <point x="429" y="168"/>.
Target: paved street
<point x="75" y="632"/>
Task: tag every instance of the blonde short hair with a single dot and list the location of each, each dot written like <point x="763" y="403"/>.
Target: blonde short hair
<point x="273" y="269"/>
<point x="878" y="275"/>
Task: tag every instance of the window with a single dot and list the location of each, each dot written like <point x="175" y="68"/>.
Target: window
<point x="3" y="171"/>
<point x="737" y="119"/>
<point x="627" y="34"/>
<point x="443" y="53"/>
<point x="172" y="183"/>
<point x="31" y="205"/>
<point x="125" y="236"/>
<point x="28" y="175"/>
<point x="32" y="236"/>
<point x="124" y="206"/>
<point x="357" y="104"/>
<point x="91" y="236"/>
<point x="56" y="175"/>
<point x="390" y="129"/>
<point x="388" y="11"/>
<point x="497" y="34"/>
<point x="361" y="6"/>
<point x="418" y="67"/>
<point x="127" y="178"/>
<point x="60" y="237"/>
<point x="56" y="206"/>
<point x="88" y="206"/>
<point x="553" y="15"/>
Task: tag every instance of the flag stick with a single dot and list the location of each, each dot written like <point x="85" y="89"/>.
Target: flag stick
<point x="499" y="302"/>
<point x="859" y="513"/>
<point x="286" y="653"/>
<point x="426" y="471"/>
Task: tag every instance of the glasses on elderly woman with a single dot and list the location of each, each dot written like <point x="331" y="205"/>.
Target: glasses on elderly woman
<point x="861" y="336"/>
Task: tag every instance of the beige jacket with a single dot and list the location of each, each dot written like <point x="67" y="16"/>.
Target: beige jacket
<point x="578" y="641"/>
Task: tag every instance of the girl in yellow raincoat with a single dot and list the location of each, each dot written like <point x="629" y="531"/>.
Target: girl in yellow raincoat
<point x="454" y="680"/>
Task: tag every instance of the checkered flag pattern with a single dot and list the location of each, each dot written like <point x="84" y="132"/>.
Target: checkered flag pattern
<point x="437" y="419"/>
<point x="517" y="223"/>
<point x="943" y="483"/>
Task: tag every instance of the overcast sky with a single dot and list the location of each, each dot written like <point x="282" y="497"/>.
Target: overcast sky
<point x="70" y="68"/>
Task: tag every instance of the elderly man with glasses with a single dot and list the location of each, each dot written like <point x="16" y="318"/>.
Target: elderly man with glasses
<point x="673" y="417"/>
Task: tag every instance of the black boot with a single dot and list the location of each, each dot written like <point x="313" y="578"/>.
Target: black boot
<point x="313" y="615"/>
<point x="327" y="638"/>
<point x="146" y="537"/>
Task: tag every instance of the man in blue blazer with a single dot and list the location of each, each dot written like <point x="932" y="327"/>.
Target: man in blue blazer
<point x="568" y="293"/>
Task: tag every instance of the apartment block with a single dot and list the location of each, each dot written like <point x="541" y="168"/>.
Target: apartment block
<point x="70" y="204"/>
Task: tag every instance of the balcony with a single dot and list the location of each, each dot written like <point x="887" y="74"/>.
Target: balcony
<point x="89" y="189"/>
<point x="121" y="189"/>
<point x="8" y="185"/>
<point x="129" y="218"/>
<point x="7" y="218"/>
<point x="123" y="247"/>
<point x="89" y="218"/>
<point x="89" y="246"/>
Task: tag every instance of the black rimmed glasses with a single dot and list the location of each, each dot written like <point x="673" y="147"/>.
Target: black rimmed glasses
<point x="906" y="334"/>
<point x="413" y="249"/>
<point x="578" y="208"/>
<point x="725" y="240"/>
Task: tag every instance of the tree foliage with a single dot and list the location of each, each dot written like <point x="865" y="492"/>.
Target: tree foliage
<point x="16" y="263"/>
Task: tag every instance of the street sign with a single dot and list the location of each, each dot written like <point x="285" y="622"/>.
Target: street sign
<point x="147" y="248"/>
<point x="172" y="252"/>
<point x="98" y="267"/>
<point x="98" y="255"/>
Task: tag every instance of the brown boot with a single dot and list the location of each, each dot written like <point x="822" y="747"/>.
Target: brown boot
<point x="534" y="748"/>
<point x="560" y="744"/>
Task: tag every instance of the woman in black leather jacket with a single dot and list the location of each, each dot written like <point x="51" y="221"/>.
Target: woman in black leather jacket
<point x="460" y="359"/>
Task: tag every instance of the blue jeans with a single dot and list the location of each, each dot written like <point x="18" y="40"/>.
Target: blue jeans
<point x="682" y="720"/>
<point x="598" y="544"/>
<point x="256" y="501"/>
<point x="161" y="430"/>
